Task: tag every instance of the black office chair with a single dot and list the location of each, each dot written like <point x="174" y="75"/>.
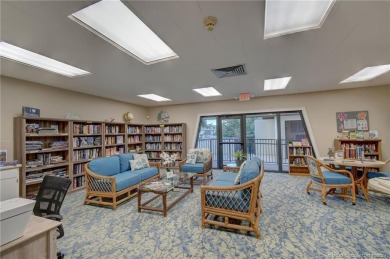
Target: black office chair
<point x="48" y="203"/>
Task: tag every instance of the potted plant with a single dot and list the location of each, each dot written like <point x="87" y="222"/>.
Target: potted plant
<point x="240" y="156"/>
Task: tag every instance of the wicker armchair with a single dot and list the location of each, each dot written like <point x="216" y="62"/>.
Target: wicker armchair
<point x="234" y="203"/>
<point x="202" y="169"/>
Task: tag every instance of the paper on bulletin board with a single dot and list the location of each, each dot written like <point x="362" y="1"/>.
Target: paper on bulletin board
<point x="357" y="120"/>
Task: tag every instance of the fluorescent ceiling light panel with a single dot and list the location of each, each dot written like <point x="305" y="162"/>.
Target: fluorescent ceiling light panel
<point x="154" y="97"/>
<point x="276" y="84"/>
<point x="285" y="17"/>
<point x="27" y="57"/>
<point x="367" y="73"/>
<point x="207" y="91"/>
<point x="117" y="24"/>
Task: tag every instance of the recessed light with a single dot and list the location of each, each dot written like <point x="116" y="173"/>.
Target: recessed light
<point x="276" y="83"/>
<point x="117" y="24"/>
<point x="285" y="17"/>
<point x="154" y="97"/>
<point x="207" y="91"/>
<point x="30" y="58"/>
<point x="367" y="73"/>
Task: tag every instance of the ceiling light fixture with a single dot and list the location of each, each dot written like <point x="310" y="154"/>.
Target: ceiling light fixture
<point x="154" y="97"/>
<point x="286" y="17"/>
<point x="207" y="91"/>
<point x="117" y="24"/>
<point x="14" y="53"/>
<point x="367" y="74"/>
<point x="276" y="83"/>
<point x="210" y="22"/>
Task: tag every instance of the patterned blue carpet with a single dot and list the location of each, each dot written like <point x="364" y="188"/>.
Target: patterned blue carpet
<point x="293" y="225"/>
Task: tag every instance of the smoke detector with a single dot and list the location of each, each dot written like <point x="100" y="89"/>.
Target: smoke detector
<point x="210" y="22"/>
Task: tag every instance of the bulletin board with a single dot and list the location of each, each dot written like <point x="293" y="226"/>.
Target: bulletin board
<point x="357" y="120"/>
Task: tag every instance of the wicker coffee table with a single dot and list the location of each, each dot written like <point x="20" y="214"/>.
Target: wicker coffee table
<point x="161" y="189"/>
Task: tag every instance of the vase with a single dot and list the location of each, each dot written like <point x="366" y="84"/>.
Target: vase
<point x="239" y="162"/>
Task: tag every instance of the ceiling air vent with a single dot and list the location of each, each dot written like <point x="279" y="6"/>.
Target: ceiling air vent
<point x="238" y="70"/>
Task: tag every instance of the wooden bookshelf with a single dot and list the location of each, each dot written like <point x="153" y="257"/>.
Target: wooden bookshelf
<point x="76" y="142"/>
<point x="114" y="138"/>
<point x="296" y="159"/>
<point x="87" y="144"/>
<point x="135" y="138"/>
<point x="42" y="147"/>
<point x="169" y="138"/>
<point x="372" y="148"/>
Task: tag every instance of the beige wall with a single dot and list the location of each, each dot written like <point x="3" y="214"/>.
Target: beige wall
<point x="55" y="103"/>
<point x="320" y="107"/>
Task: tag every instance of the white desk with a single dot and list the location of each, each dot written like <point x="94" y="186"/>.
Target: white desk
<point x="39" y="241"/>
<point x="375" y="184"/>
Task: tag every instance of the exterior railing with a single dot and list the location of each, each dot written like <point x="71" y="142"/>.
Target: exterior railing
<point x="265" y="149"/>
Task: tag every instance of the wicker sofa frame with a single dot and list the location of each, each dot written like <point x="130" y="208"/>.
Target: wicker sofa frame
<point x="101" y="189"/>
<point x="233" y="217"/>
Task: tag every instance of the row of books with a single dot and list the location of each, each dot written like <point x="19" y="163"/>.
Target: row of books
<point x="34" y="145"/>
<point x="368" y="148"/>
<point x="132" y="129"/>
<point x="173" y="137"/>
<point x="78" y="169"/>
<point x="153" y="154"/>
<point x="112" y="129"/>
<point x="300" y="151"/>
<point x="298" y="161"/>
<point x="58" y="144"/>
<point x="173" y="146"/>
<point x="79" y="181"/>
<point x="87" y="141"/>
<point x="173" y="129"/>
<point x="153" y="146"/>
<point x="87" y="129"/>
<point x="152" y="138"/>
<point x="135" y="139"/>
<point x="152" y="130"/>
<point x="110" y="151"/>
<point x="86" y="154"/>
<point x="38" y="175"/>
<point x="114" y="140"/>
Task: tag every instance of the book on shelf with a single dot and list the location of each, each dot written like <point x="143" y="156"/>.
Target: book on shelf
<point x="352" y="135"/>
<point x="345" y="134"/>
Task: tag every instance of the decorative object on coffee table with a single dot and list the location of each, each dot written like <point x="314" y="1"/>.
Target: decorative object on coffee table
<point x="169" y="160"/>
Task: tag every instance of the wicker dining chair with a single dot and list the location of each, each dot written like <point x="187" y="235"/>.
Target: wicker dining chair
<point x="329" y="180"/>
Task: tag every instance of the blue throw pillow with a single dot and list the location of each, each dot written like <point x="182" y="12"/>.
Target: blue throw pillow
<point x="124" y="161"/>
<point x="250" y="171"/>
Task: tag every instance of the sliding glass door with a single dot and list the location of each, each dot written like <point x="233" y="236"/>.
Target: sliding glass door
<point x="265" y="135"/>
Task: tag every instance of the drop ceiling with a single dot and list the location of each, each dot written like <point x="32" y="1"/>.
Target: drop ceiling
<point x="356" y="34"/>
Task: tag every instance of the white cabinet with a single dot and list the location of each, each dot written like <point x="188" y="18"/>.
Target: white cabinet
<point x="9" y="181"/>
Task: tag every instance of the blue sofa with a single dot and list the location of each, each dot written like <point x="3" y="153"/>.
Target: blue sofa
<point x="234" y="202"/>
<point x="110" y="180"/>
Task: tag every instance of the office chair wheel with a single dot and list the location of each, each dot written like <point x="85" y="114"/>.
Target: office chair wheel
<point x="308" y="193"/>
<point x="325" y="203"/>
<point x="353" y="203"/>
<point x="60" y="255"/>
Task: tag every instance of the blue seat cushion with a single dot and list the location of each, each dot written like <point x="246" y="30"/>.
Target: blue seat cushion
<point x="333" y="178"/>
<point x="126" y="179"/>
<point x="146" y="173"/>
<point x="377" y="174"/>
<point x="257" y="160"/>
<point x="124" y="161"/>
<point x="192" y="168"/>
<point x="106" y="166"/>
<point x="226" y="177"/>
<point x="250" y="171"/>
